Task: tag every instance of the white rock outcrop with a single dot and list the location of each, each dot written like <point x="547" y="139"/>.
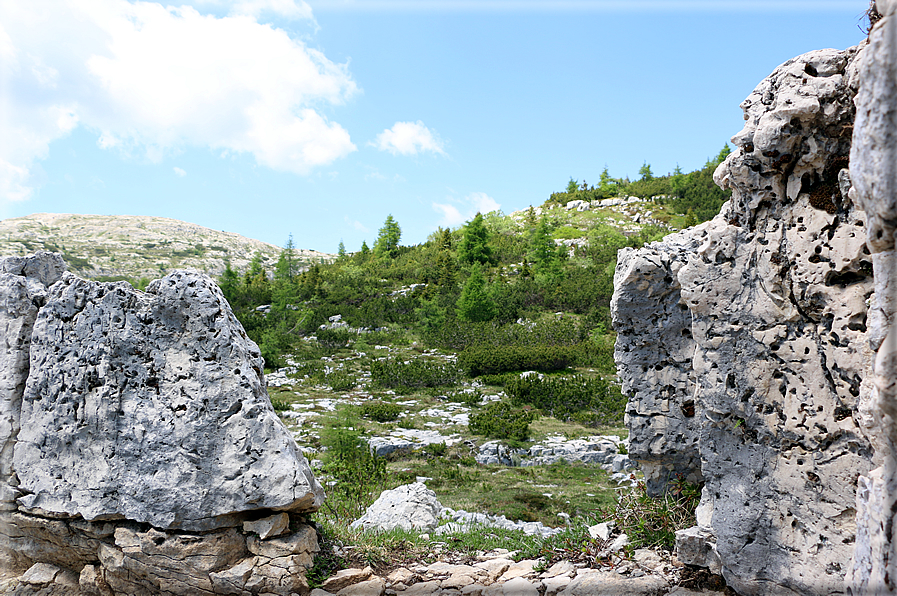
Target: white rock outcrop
<point x="743" y="343"/>
<point x="137" y="439"/>
<point x="873" y="172"/>
<point x="409" y="507"/>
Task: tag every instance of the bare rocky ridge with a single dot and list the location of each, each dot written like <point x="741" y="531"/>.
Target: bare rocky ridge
<point x="140" y="452"/>
<point x="136" y="247"/>
<point x="761" y="372"/>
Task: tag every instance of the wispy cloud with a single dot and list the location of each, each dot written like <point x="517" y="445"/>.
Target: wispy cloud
<point x="409" y="138"/>
<point x="457" y="211"/>
<point x="179" y="172"/>
<point x="152" y="79"/>
<point x="356" y="224"/>
<point x="755" y="6"/>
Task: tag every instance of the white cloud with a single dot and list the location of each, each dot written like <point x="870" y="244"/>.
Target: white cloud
<point x="179" y="172"/>
<point x="630" y="6"/>
<point x="451" y="217"/>
<point x="355" y="224"/>
<point x="408" y="138"/>
<point x="150" y="79"/>
<point x="466" y="209"/>
<point x="284" y="8"/>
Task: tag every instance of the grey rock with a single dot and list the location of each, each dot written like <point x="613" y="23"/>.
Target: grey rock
<point x="873" y="181"/>
<point x="743" y="342"/>
<point x="24" y="282"/>
<point x="168" y="383"/>
<point x="609" y="583"/>
<point x="410" y="506"/>
<point x="268" y="527"/>
<point x="695" y="546"/>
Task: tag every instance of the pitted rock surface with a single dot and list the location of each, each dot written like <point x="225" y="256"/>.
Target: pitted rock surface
<point x="136" y="439"/>
<point x="131" y="394"/>
<point x="873" y="173"/>
<point x="767" y="384"/>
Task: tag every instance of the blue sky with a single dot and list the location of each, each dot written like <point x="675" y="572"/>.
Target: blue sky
<point x="277" y="117"/>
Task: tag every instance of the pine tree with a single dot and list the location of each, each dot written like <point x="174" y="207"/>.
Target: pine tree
<point x="475" y="304"/>
<point x="474" y="246"/>
<point x="286" y="267"/>
<point x="530" y="221"/>
<point x="544" y="253"/>
<point x="341" y="249"/>
<point x="446" y="242"/>
<point x="387" y="243"/>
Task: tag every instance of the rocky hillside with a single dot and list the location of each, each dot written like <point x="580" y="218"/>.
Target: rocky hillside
<point x="135" y="247"/>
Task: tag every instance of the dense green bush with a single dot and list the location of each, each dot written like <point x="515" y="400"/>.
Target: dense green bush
<point x="340" y="380"/>
<point x="591" y="401"/>
<point x="500" y="359"/>
<point x="548" y="330"/>
<point x="334" y="338"/>
<point x="499" y="420"/>
<point x="393" y="373"/>
<point x="359" y="474"/>
<point x="380" y="411"/>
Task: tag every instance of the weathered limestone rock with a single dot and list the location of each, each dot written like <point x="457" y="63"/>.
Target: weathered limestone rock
<point x="873" y="172"/>
<point x="662" y="415"/>
<point x="743" y="342"/>
<point x="23" y="288"/>
<point x="136" y="438"/>
<point x="132" y="393"/>
<point x="410" y="506"/>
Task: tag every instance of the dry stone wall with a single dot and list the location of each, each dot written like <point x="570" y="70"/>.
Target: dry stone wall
<point x="743" y="343"/>
<point x="140" y="453"/>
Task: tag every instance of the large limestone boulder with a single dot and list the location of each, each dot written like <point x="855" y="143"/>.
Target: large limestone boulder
<point x="743" y="342"/>
<point x="132" y="394"/>
<point x="139" y="453"/>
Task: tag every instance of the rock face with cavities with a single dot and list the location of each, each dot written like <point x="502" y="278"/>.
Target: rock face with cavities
<point x="137" y="439"/>
<point x="743" y="343"/>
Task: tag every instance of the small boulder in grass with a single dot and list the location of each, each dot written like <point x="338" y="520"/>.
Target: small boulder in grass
<point x="410" y="507"/>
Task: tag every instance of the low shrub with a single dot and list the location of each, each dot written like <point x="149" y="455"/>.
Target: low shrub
<point x="314" y="369"/>
<point x="416" y="373"/>
<point x="651" y="522"/>
<point x="334" y="338"/>
<point x="471" y="399"/>
<point x="499" y="420"/>
<point x="501" y="359"/>
<point x="435" y="449"/>
<point x="498" y="380"/>
<point x="589" y="401"/>
<point x="358" y="473"/>
<point x="340" y="380"/>
<point x="547" y="331"/>
<point x="280" y="405"/>
<point x="380" y="411"/>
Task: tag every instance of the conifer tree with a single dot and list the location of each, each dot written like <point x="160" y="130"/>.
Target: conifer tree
<point x="475" y="304"/>
<point x="544" y="253"/>
<point x="387" y="243"/>
<point x="474" y="246"/>
<point x="286" y="266"/>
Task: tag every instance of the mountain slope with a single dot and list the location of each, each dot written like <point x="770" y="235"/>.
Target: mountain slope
<point x="135" y="247"/>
